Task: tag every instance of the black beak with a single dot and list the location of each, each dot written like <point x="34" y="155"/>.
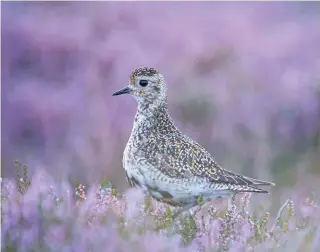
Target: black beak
<point x="122" y="91"/>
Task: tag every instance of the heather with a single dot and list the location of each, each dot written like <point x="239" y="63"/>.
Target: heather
<point x="243" y="80"/>
<point x="46" y="215"/>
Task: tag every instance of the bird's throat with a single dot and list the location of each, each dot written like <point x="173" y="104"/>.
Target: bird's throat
<point x="153" y="119"/>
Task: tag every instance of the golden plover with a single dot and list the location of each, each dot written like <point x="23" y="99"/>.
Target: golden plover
<point x="159" y="158"/>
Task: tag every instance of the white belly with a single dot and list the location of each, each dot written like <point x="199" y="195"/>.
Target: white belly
<point x="181" y="190"/>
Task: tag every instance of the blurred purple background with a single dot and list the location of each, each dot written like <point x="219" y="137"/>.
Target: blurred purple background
<point x="243" y="81"/>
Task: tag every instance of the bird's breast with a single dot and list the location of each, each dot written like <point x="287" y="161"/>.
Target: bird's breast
<point x="132" y="164"/>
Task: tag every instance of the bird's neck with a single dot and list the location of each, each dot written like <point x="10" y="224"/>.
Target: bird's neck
<point x="153" y="118"/>
<point x="149" y="109"/>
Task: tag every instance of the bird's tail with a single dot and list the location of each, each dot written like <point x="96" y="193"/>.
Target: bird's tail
<point x="257" y="182"/>
<point x="254" y="183"/>
<point x="248" y="189"/>
<point x="250" y="181"/>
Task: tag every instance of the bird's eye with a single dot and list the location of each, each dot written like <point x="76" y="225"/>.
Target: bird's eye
<point x="143" y="83"/>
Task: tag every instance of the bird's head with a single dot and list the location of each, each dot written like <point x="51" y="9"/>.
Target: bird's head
<point x="147" y="85"/>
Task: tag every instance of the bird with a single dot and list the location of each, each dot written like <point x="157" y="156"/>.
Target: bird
<point x="166" y="163"/>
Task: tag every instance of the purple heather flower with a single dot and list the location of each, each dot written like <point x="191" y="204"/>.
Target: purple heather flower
<point x="134" y="199"/>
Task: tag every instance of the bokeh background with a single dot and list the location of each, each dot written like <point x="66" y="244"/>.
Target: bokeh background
<point x="243" y="80"/>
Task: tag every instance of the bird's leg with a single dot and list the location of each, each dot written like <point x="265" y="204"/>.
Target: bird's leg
<point x="198" y="202"/>
<point x="194" y="212"/>
<point x="183" y="209"/>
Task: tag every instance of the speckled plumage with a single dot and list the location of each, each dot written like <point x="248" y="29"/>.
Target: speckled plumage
<point x="161" y="159"/>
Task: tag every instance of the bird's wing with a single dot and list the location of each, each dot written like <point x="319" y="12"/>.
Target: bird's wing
<point x="179" y="156"/>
